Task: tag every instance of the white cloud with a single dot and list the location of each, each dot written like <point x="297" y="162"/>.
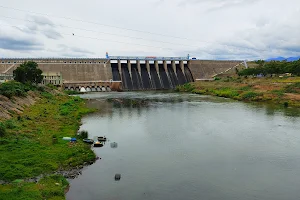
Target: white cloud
<point x="208" y="29"/>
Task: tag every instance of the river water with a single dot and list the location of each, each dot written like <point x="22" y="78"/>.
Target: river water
<point x="189" y="147"/>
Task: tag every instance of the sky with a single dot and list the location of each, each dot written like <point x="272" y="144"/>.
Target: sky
<point x="205" y="29"/>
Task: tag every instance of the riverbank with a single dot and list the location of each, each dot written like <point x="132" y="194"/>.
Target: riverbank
<point x="33" y="145"/>
<point x="284" y="91"/>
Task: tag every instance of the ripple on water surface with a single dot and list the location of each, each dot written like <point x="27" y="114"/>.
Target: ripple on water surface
<point x="181" y="146"/>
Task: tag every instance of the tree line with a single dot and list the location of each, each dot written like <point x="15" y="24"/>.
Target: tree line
<point x="26" y="77"/>
<point x="273" y="67"/>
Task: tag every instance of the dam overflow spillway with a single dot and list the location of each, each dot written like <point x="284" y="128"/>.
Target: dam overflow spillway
<point x="151" y="75"/>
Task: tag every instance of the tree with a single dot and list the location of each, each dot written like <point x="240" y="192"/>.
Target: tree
<point x="28" y="72"/>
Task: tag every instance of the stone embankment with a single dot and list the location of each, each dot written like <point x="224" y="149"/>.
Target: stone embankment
<point x="16" y="104"/>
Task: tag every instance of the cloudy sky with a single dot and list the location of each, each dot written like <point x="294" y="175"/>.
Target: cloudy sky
<point x="206" y="29"/>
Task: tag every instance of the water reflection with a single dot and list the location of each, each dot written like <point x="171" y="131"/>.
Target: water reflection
<point x="130" y="101"/>
<point x="182" y="146"/>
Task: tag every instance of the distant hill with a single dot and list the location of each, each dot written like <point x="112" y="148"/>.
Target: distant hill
<point x="282" y="58"/>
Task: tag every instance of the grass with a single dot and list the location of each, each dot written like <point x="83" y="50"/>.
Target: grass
<point x="33" y="143"/>
<point x="293" y="88"/>
<point x="250" y="89"/>
<point x="250" y="95"/>
<point x="51" y="187"/>
<point x="185" y="88"/>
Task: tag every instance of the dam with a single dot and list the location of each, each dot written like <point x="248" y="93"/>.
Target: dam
<point x="119" y="73"/>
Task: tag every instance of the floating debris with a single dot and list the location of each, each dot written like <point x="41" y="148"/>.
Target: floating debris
<point x="113" y="145"/>
<point x="117" y="177"/>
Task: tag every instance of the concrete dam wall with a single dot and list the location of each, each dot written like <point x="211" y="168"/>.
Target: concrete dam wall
<point x="124" y="74"/>
<point x="71" y="69"/>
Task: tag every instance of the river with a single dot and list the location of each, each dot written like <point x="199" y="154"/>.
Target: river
<point x="189" y="147"/>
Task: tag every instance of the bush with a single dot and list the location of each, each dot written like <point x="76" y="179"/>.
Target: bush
<point x="279" y="93"/>
<point x="83" y="134"/>
<point x="49" y="85"/>
<point x="226" y="92"/>
<point x="10" y="124"/>
<point x="2" y="130"/>
<point x="293" y="88"/>
<point x="47" y="95"/>
<point x="185" y="88"/>
<point x="13" y="88"/>
<point x="250" y="95"/>
<point x="246" y="88"/>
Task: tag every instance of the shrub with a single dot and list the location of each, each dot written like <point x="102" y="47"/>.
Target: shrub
<point x="10" y="124"/>
<point x="279" y="93"/>
<point x="51" y="86"/>
<point x="13" y="88"/>
<point x="83" y="134"/>
<point x="47" y="95"/>
<point x="246" y="88"/>
<point x="226" y="92"/>
<point x="185" y="88"/>
<point x="2" y="130"/>
<point x="250" y="95"/>
<point x="41" y="89"/>
<point x="293" y="88"/>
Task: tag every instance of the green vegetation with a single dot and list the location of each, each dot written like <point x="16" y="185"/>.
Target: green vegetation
<point x="51" y="187"/>
<point x="293" y="88"/>
<point x="2" y="130"/>
<point x="282" y="91"/>
<point x="83" y="134"/>
<point x="28" y="145"/>
<point x="14" y="88"/>
<point x="31" y="144"/>
<point x="250" y="95"/>
<point x="185" y="88"/>
<point x="29" y="73"/>
<point x="273" y="67"/>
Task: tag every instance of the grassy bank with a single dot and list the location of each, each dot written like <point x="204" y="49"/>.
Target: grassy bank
<point x="31" y="144"/>
<point x="284" y="91"/>
<point x="50" y="188"/>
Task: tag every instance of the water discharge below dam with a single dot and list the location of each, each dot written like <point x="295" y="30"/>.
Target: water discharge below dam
<point x="183" y="146"/>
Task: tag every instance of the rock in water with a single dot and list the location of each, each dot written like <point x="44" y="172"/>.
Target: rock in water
<point x="117" y="177"/>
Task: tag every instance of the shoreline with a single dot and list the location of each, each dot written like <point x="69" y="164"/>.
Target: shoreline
<point x="284" y="91"/>
<point x="39" y="157"/>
